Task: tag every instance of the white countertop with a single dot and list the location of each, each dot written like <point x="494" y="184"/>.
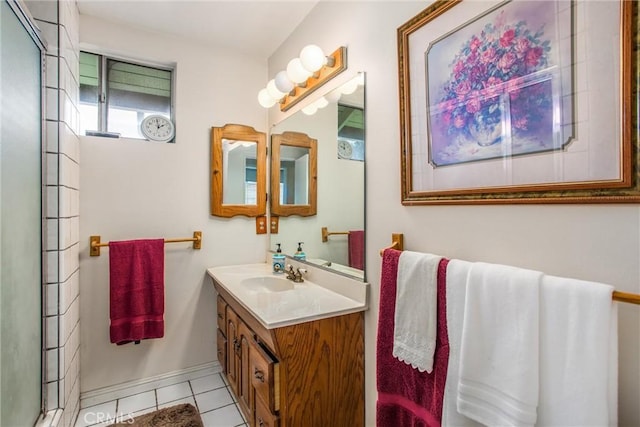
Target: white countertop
<point x="321" y="295"/>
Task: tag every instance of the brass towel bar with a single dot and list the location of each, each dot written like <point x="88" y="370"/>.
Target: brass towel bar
<point x="397" y="242"/>
<point x="95" y="245"/>
<point x="326" y="233"/>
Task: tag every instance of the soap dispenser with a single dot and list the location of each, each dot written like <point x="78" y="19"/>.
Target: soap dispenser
<point x="278" y="260"/>
<point x="300" y="255"/>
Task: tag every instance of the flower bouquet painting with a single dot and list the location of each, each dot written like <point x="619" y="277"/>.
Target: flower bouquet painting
<point x="493" y="86"/>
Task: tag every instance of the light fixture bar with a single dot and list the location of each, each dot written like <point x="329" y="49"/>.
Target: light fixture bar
<point x="337" y="63"/>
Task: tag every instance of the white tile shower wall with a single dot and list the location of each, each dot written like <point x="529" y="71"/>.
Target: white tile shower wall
<point x="68" y="292"/>
<point x="69" y="181"/>
<point x="59" y="22"/>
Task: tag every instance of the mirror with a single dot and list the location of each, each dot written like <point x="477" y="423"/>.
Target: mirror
<point x="238" y="171"/>
<point x="339" y="131"/>
<point x="293" y="174"/>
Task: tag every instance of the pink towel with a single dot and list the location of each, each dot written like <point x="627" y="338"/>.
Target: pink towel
<point x="356" y="249"/>
<point x="407" y="397"/>
<point x="136" y="278"/>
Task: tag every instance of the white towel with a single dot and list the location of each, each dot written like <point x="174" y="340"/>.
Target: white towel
<point x="498" y="383"/>
<point x="414" y="337"/>
<point x="578" y="354"/>
<point x="457" y="272"/>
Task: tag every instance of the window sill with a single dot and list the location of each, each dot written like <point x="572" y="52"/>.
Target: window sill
<point x="102" y="134"/>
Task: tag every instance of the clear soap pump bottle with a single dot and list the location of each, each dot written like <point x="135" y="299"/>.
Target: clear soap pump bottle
<point x="300" y="255"/>
<point x="278" y="260"/>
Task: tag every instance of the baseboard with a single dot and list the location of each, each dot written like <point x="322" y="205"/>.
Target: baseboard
<point x="106" y="394"/>
<point x="50" y="419"/>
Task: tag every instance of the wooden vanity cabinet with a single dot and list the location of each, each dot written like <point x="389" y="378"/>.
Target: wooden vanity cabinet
<point x="222" y="350"/>
<point x="264" y="370"/>
<point x="264" y="417"/>
<point x="222" y="333"/>
<point x="239" y="338"/>
<point x="309" y="374"/>
<point x="222" y="314"/>
<point x="245" y="390"/>
<point x="233" y="350"/>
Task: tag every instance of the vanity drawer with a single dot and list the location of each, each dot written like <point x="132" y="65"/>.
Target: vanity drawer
<point x="222" y="350"/>
<point x="264" y="371"/>
<point x="222" y="314"/>
<point x="264" y="417"/>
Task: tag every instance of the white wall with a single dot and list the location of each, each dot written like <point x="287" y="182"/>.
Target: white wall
<point x="137" y="189"/>
<point x="600" y="243"/>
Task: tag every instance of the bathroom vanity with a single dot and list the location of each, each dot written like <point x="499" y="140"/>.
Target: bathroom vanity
<point x="292" y="352"/>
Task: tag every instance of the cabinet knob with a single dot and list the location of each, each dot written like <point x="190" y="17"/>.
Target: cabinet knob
<point x="260" y="422"/>
<point x="259" y="375"/>
<point x="219" y="315"/>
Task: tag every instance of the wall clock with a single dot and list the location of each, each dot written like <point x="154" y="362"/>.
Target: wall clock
<point x="157" y="128"/>
<point x="345" y="149"/>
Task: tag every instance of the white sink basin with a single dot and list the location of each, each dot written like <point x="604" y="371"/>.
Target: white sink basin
<point x="276" y="302"/>
<point x="267" y="284"/>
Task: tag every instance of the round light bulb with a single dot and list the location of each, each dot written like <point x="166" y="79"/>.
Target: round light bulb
<point x="334" y="96"/>
<point x="265" y="99"/>
<point x="310" y="110"/>
<point x="283" y="84"/>
<point x="273" y="90"/>
<point x="296" y="72"/>
<point x="321" y="102"/>
<point x="312" y="58"/>
<point x="349" y="87"/>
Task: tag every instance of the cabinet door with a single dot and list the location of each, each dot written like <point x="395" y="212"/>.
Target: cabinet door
<point x="233" y="350"/>
<point x="245" y="388"/>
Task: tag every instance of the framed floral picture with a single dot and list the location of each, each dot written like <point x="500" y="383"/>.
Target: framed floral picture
<point x="518" y="102"/>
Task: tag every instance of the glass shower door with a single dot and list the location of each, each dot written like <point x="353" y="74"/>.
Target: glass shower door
<point x="20" y="222"/>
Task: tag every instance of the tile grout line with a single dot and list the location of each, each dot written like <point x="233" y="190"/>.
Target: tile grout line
<point x="223" y="406"/>
<point x="193" y="394"/>
<point x="118" y="403"/>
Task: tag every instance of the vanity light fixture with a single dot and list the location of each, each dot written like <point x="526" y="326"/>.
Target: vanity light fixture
<point x="334" y="96"/>
<point x="303" y="75"/>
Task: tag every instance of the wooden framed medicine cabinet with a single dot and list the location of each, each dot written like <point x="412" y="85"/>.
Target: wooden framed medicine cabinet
<point x="294" y="174"/>
<point x="238" y="171"/>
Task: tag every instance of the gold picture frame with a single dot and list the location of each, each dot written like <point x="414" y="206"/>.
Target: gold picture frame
<point x="597" y="163"/>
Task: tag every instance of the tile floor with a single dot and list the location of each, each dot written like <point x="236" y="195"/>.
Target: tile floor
<point x="209" y="393"/>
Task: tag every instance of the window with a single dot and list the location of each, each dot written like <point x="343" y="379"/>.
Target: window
<point x="250" y="182"/>
<point x="351" y="129"/>
<point x="116" y="95"/>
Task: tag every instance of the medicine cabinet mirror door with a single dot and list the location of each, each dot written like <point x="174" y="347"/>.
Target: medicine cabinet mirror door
<point x="238" y="171"/>
<point x="294" y="174"/>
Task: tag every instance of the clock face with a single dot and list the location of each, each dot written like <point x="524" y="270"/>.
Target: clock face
<point x="345" y="150"/>
<point x="157" y="128"/>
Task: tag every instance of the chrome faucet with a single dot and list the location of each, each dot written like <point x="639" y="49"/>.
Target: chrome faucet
<point x="295" y="275"/>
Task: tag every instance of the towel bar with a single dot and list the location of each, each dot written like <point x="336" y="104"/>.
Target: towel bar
<point x="95" y="245"/>
<point x="326" y="233"/>
<point x="397" y="240"/>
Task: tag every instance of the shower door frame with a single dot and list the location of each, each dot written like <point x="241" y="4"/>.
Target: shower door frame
<point x="26" y="20"/>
